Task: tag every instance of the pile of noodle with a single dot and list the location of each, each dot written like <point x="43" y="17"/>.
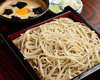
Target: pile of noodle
<point x="61" y="49"/>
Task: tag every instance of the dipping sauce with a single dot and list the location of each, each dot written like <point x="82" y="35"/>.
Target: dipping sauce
<point x="22" y="9"/>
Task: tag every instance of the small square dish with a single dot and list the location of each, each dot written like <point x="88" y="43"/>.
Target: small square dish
<point x="67" y="13"/>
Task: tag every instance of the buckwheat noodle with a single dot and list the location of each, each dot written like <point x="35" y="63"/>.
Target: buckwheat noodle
<point x="60" y="49"/>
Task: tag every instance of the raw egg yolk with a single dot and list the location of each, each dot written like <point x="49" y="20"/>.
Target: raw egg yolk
<point x="22" y="11"/>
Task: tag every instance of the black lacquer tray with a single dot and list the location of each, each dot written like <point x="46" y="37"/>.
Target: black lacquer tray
<point x="24" y="68"/>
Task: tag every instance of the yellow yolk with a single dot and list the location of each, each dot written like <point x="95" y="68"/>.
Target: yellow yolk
<point x="22" y="11"/>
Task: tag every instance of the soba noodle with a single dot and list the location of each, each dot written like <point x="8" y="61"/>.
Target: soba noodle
<point x="60" y="49"/>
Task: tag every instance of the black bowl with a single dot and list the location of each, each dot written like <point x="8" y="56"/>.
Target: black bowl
<point x="9" y="21"/>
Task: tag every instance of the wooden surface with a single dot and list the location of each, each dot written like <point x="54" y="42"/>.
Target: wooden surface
<point x="91" y="11"/>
